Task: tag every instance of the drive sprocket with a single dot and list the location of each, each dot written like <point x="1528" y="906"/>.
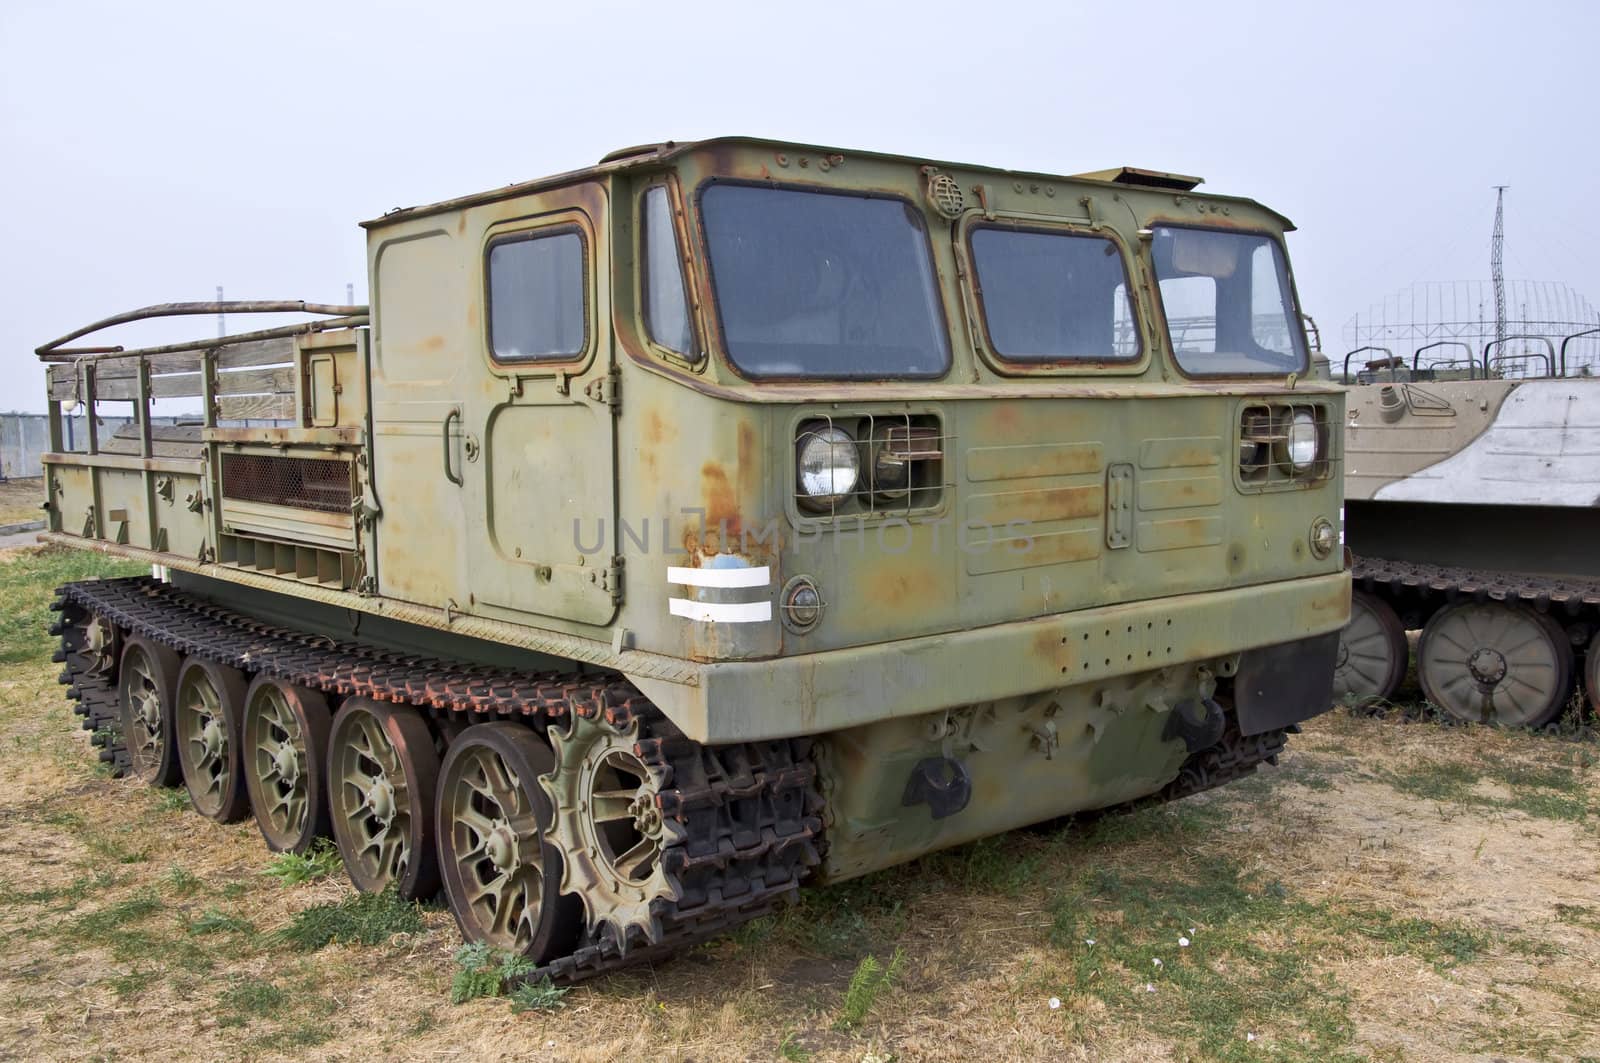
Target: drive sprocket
<point x="609" y="825"/>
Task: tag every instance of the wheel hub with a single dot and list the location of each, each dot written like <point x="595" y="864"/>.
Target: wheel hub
<point x="212" y="739"/>
<point x="646" y="817"/>
<point x="1487" y="665"/>
<point x="150" y="714"/>
<point x="502" y="848"/>
<point x="287" y="763"/>
<point x="380" y="801"/>
<point x="1343" y="655"/>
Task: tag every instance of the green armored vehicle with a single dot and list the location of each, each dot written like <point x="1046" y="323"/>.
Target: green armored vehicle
<point x="1473" y="509"/>
<point x="718" y="517"/>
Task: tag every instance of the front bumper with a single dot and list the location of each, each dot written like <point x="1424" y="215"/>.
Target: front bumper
<point x="741" y="701"/>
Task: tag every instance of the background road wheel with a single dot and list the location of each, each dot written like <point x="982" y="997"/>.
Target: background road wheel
<point x="284" y="757"/>
<point x="382" y="770"/>
<point x="1591" y="672"/>
<point x="208" y="718"/>
<point x="1372" y="652"/>
<point x="147" y="681"/>
<point x="1487" y="662"/>
<point x="501" y="876"/>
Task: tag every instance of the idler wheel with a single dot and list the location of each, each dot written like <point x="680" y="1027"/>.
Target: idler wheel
<point x="285" y="762"/>
<point x="1372" y="657"/>
<point x="1489" y="662"/>
<point x="147" y="681"/>
<point x="207" y="718"/>
<point x="502" y="878"/>
<point x="382" y="769"/>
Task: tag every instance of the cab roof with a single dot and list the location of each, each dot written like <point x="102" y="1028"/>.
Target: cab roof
<point x="653" y="155"/>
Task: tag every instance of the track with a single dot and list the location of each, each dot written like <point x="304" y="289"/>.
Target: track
<point x="747" y="816"/>
<point x="747" y="828"/>
<point x="1572" y="595"/>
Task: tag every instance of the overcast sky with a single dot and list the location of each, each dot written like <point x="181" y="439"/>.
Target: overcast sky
<point x="153" y="152"/>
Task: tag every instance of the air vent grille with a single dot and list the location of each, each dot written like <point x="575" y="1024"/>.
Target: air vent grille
<point x="320" y="484"/>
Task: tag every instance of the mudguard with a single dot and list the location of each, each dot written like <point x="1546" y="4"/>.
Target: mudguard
<point x="1285" y="684"/>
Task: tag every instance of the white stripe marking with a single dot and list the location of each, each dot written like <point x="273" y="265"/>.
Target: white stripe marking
<point x="721" y="612"/>
<point x="720" y="577"/>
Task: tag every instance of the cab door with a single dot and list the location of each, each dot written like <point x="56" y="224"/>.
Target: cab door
<point x="538" y="443"/>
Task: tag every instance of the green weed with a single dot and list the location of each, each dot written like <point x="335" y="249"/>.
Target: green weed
<point x="182" y="881"/>
<point x="320" y="861"/>
<point x="175" y="799"/>
<point x="870" y="979"/>
<point x="247" y="1000"/>
<point x="542" y="995"/>
<point x="486" y="972"/>
<point x="115" y="917"/>
<point x="212" y="921"/>
<point x="792" y="1050"/>
<point x="363" y="919"/>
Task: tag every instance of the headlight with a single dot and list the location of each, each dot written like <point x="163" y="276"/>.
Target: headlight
<point x="829" y="466"/>
<point x="1302" y="441"/>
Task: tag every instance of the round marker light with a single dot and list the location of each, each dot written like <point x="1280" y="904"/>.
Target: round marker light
<point x="1322" y="537"/>
<point x="1302" y="441"/>
<point x="829" y="467"/>
<point x="802" y="604"/>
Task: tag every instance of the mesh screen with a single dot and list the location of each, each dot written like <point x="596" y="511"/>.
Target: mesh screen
<point x="305" y="483"/>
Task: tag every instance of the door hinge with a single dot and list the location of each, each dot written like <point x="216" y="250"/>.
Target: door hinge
<point x="610" y="579"/>
<point x="606" y="389"/>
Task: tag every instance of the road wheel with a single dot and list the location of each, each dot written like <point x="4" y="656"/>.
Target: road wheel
<point x="147" y="681"/>
<point x="1488" y="662"/>
<point x="382" y="770"/>
<point x="501" y="876"/>
<point x="1372" y="652"/>
<point x="1591" y="672"/>
<point x="285" y="757"/>
<point x="208" y="717"/>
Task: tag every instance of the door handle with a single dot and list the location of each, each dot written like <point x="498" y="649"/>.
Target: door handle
<point x="453" y="415"/>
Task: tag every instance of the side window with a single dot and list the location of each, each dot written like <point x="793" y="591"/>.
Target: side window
<point x="537" y="286"/>
<point x="666" y="308"/>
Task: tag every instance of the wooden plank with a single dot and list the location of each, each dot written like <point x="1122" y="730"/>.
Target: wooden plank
<point x="124" y="386"/>
<point x="158" y="448"/>
<point x="319" y="437"/>
<point x="278" y="381"/>
<point x="256" y="352"/>
<point x="131" y="462"/>
<point x="256" y="407"/>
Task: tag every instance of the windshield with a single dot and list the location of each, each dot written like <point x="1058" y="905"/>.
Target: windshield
<point x="816" y="284"/>
<point x="1053" y="296"/>
<point x="1228" y="304"/>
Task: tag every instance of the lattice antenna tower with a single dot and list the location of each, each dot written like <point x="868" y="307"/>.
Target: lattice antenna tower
<point x="1497" y="248"/>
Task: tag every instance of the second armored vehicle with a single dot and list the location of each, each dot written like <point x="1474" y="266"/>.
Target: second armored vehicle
<point x="1473" y="510"/>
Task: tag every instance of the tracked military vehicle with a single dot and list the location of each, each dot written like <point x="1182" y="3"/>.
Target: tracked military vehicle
<point x="1473" y="507"/>
<point x="721" y="516"/>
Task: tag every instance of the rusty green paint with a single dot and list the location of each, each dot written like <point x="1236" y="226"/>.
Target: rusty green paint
<point x="1095" y="635"/>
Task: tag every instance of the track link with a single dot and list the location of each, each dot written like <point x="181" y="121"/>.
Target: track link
<point x="1572" y="595"/>
<point x="1233" y="757"/>
<point x="747" y="814"/>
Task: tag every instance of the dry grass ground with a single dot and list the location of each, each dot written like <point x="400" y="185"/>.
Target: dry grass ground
<point x="1391" y="891"/>
<point x="19" y="500"/>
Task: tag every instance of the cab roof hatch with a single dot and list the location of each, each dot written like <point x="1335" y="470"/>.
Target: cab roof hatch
<point x="1132" y="175"/>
